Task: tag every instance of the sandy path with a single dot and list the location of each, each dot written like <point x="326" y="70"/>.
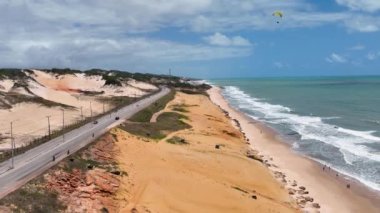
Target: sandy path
<point x="324" y="187"/>
<point x="163" y="177"/>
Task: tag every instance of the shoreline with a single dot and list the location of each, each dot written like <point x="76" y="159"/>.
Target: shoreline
<point x="295" y="169"/>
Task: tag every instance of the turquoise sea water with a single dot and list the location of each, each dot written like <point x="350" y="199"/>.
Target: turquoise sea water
<point x="334" y="120"/>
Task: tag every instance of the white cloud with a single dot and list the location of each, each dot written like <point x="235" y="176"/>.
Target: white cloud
<point x="363" y="23"/>
<point x="84" y="53"/>
<point x="336" y="58"/>
<point x="364" y="5"/>
<point x="357" y="47"/>
<point x="280" y="65"/>
<point x="373" y="56"/>
<point x="222" y="40"/>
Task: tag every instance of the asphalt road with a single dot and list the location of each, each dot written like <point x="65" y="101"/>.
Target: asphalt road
<point x="37" y="160"/>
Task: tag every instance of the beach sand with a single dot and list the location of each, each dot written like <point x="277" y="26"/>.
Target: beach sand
<point x="197" y="177"/>
<point x="324" y="186"/>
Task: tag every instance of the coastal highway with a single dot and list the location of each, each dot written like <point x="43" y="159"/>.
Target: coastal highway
<point x="35" y="161"/>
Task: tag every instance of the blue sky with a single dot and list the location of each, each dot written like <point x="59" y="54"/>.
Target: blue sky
<point x="197" y="38"/>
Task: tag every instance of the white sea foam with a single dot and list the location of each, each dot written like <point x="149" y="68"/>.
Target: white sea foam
<point x="349" y="142"/>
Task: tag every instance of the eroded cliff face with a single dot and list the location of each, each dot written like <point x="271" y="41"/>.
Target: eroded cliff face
<point x="85" y="191"/>
<point x="89" y="180"/>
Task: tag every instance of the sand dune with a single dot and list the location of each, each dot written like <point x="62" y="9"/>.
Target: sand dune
<point x="68" y="82"/>
<point x="30" y="118"/>
<point x="164" y="177"/>
<point x="80" y="82"/>
<point x="6" y="85"/>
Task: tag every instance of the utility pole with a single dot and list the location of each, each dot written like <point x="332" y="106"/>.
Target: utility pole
<point x="81" y="112"/>
<point x="63" y="125"/>
<point x="63" y="119"/>
<point x="91" y="109"/>
<point x="48" y="118"/>
<point x="13" y="146"/>
<point x="103" y="108"/>
<point x="170" y="72"/>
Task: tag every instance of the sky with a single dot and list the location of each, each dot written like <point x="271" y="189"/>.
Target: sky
<point x="195" y="38"/>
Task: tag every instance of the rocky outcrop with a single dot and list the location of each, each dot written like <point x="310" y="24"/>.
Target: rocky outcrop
<point x="85" y="191"/>
<point x="92" y="189"/>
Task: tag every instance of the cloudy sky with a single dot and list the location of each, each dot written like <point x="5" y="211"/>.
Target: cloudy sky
<point x="199" y="38"/>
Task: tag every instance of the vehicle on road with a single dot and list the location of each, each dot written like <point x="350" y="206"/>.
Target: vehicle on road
<point x="117" y="118"/>
<point x="95" y="122"/>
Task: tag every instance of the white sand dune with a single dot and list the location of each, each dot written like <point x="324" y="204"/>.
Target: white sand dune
<point x="69" y="83"/>
<point x="30" y="118"/>
<point x="6" y="85"/>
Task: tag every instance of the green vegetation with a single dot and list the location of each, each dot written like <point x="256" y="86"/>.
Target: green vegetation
<point x="111" y="80"/>
<point x="33" y="197"/>
<point x="189" y="88"/>
<point x="182" y="107"/>
<point x="64" y="71"/>
<point x="82" y="160"/>
<point x="177" y="140"/>
<point x="146" y="114"/>
<point x="11" y="73"/>
<point x="78" y="162"/>
<point x="92" y="72"/>
<point x="117" y="100"/>
<point x="166" y="123"/>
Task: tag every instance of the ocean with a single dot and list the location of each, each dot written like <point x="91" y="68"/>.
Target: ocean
<point x="333" y="120"/>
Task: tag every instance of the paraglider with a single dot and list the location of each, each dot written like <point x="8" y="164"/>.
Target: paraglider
<point x="278" y="15"/>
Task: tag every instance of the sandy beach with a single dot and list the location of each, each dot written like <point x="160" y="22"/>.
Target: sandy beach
<point x="196" y="176"/>
<point x="327" y="189"/>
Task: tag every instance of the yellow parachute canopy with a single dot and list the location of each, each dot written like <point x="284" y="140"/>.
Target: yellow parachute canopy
<point x="278" y="14"/>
